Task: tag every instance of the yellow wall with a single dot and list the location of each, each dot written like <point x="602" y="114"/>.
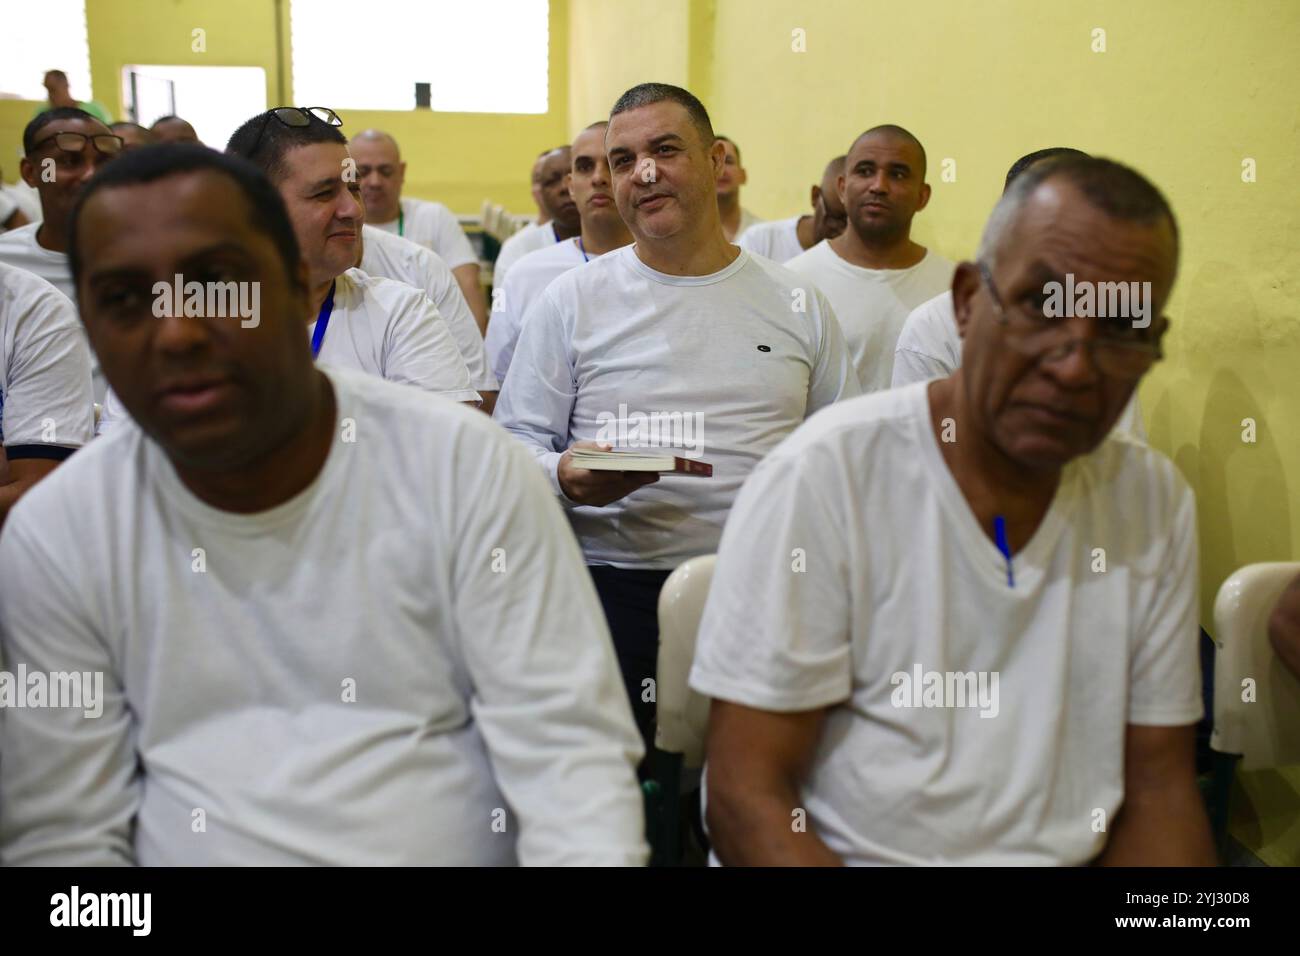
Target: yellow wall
<point x="459" y="159"/>
<point x="1184" y="92"/>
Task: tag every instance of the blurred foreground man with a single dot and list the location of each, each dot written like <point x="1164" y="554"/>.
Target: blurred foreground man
<point x="318" y="636"/>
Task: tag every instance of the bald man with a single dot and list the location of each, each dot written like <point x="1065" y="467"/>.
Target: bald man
<point x="784" y="239"/>
<point x="551" y="178"/>
<point x="873" y="273"/>
<point x="736" y="220"/>
<point x="173" y="129"/>
<point x="382" y="173"/>
<point x="133" y="135"/>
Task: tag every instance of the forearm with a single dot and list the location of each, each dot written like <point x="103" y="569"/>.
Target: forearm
<point x="1166" y="827"/>
<point x="764" y="827"/>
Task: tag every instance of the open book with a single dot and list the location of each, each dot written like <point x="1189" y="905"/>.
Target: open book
<point x="638" y="460"/>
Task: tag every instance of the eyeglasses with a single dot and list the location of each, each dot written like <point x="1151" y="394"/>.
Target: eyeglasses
<point x="296" y="117"/>
<point x="106" y="144"/>
<point x="1123" y="352"/>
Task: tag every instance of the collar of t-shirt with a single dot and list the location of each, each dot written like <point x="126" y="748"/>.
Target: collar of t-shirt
<point x="1030" y="562"/>
<point x="633" y="261"/>
<point x="861" y="272"/>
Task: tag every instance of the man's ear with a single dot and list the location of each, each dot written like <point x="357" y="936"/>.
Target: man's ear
<point x="840" y="183"/>
<point x="815" y="196"/>
<point x="718" y="155"/>
<point x="965" y="284"/>
<point x="27" y="170"/>
<point x="925" y="197"/>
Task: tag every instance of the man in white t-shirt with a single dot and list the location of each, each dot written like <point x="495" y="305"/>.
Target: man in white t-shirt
<point x="375" y="325"/>
<point x="603" y="230"/>
<point x="62" y="149"/>
<point x="784" y="239"/>
<point x="382" y="173"/>
<point x="873" y="273"/>
<point x="681" y="342"/>
<point x="46" y="403"/>
<point x="929" y="346"/>
<point x="392" y="257"/>
<point x="736" y="220"/>
<point x="303" y="616"/>
<point x="564" y="221"/>
<point x="984" y="650"/>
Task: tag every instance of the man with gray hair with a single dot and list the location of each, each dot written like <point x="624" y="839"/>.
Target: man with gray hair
<point x="956" y="622"/>
<point x="929" y="345"/>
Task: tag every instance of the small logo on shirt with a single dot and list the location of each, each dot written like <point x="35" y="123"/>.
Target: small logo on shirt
<point x="765" y="348"/>
<point x="946" y="689"/>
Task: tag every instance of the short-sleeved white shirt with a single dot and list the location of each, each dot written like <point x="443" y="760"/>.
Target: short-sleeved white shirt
<point x="389" y="668"/>
<point x="396" y="258"/>
<point x="852" y="557"/>
<point x="18" y="247"/>
<point x="719" y="366"/>
<point x="510" y="301"/>
<point x="434" y="226"/>
<point x="872" y="304"/>
<point x="46" y="402"/>
<point x="778" y="240"/>
<point x="528" y="239"/>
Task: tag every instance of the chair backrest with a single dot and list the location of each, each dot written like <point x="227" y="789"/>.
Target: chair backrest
<point x="681" y="715"/>
<point x="1265" y="726"/>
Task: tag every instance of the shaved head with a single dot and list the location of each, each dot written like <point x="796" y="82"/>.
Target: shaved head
<point x="379" y="136"/>
<point x="890" y="131"/>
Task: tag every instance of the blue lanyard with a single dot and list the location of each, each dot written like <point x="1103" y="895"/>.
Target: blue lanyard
<point x="1000" y="533"/>
<point x="322" y="323"/>
<point x="583" y="250"/>
<point x="401" y="221"/>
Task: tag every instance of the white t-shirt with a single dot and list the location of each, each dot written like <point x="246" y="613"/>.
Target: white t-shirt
<point x="930" y="347"/>
<point x="719" y="367"/>
<point x="25" y="198"/>
<point x="371" y="673"/>
<point x="46" y="403"/>
<point x="18" y="247"/>
<point x="778" y="240"/>
<point x="526" y="240"/>
<point x="510" y="302"/>
<point x="898" y="575"/>
<point x="872" y="304"/>
<point x="391" y="330"/>
<point x="8" y="207"/>
<point x="382" y="327"/>
<point x="396" y="258"/>
<point x="433" y="225"/>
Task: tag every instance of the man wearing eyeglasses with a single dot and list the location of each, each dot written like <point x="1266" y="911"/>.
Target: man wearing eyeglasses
<point x="929" y="346"/>
<point x="62" y="149"/>
<point x="985" y="649"/>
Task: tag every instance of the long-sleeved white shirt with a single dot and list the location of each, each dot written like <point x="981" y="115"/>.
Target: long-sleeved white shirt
<point x="389" y="668"/>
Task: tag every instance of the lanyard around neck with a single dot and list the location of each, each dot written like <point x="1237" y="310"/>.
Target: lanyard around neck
<point x="322" y="322"/>
<point x="583" y="250"/>
<point x="401" y="220"/>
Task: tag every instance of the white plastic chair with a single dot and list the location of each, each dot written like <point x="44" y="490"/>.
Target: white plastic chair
<point x="1265" y="731"/>
<point x="681" y="715"/>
